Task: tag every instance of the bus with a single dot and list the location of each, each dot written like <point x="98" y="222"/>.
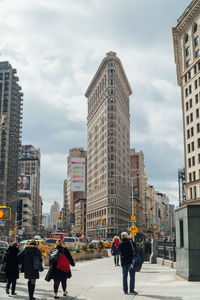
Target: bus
<point x="58" y="235"/>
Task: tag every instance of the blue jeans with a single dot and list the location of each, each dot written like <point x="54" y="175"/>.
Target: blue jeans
<point x="125" y="271"/>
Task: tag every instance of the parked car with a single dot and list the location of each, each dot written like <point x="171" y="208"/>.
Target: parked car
<point x="51" y="242"/>
<point x="94" y="243"/>
<point x="3" y="247"/>
<point x="108" y="244"/>
<point x="71" y="242"/>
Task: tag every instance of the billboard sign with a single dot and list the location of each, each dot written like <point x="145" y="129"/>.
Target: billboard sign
<point x="77" y="174"/>
<point x="24" y="184"/>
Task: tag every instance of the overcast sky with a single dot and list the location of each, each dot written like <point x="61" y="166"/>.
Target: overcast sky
<point x="57" y="46"/>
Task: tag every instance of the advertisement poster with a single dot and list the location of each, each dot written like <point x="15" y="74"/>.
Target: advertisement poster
<point x="77" y="174"/>
<point x="24" y="184"/>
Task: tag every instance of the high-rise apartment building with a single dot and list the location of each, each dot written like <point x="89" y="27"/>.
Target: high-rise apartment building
<point x="76" y="185"/>
<point x="186" y="37"/>
<point x="108" y="153"/>
<point x="29" y="165"/>
<point x="11" y="100"/>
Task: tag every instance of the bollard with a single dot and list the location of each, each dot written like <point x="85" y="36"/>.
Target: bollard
<point x="165" y="250"/>
<point x="174" y="250"/>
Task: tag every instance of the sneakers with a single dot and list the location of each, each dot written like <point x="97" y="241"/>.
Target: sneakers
<point x="133" y="293"/>
<point x="7" y="291"/>
<point x="65" y="293"/>
<point x="126" y="293"/>
<point x="14" y="293"/>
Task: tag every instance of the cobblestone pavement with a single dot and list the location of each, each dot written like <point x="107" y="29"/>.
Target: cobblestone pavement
<point x="100" y="279"/>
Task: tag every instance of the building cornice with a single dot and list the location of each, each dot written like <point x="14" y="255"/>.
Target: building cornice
<point x="96" y="76"/>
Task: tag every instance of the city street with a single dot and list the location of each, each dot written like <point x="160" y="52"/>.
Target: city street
<point x="99" y="279"/>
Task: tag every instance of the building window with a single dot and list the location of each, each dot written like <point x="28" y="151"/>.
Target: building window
<point x="190" y="177"/>
<point x="195" y="84"/>
<point x="190" y="103"/>
<point x="190" y="89"/>
<point x="189" y="162"/>
<point x="198" y="143"/>
<point x="187" y="106"/>
<point x="191" y="117"/>
<point x="187" y="120"/>
<point x="195" y="69"/>
<point x="197" y="113"/>
<point x="192" y="146"/>
<point x="199" y="158"/>
<point x="188" y="148"/>
<point x="194" y="175"/>
<point x="197" y="53"/>
<point x="187" y="63"/>
<point x="188" y="133"/>
<point x="185" y="78"/>
<point x="187" y="51"/>
<point x="198" y="127"/>
<point x="181" y="234"/>
<point x="195" y="28"/>
<point x="186" y="92"/>
<point x="196" y="98"/>
<point x="192" y="131"/>
<point x="193" y="160"/>
<point x="186" y="38"/>
<point x="196" y="41"/>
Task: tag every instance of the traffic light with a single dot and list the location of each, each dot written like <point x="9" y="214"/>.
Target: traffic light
<point x="5" y="213"/>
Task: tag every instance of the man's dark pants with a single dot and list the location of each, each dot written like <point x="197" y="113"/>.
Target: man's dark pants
<point x="125" y="271"/>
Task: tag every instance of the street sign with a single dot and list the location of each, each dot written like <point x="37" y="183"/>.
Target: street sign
<point x="5" y="213"/>
<point x="133" y="229"/>
<point x="132" y="218"/>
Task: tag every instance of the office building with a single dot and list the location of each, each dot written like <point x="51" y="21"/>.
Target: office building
<point x="138" y="194"/>
<point x="108" y="152"/>
<point x="186" y="38"/>
<point x="11" y="101"/>
<point x="29" y="168"/>
<point x="76" y="184"/>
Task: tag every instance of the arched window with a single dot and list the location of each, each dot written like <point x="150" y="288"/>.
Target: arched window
<point x="186" y="38"/>
<point x="195" y="28"/>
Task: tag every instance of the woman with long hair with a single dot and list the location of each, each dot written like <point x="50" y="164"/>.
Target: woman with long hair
<point x="115" y="251"/>
<point x="11" y="267"/>
<point x="55" y="273"/>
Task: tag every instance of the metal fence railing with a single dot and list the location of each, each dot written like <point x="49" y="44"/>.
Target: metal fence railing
<point x="167" y="249"/>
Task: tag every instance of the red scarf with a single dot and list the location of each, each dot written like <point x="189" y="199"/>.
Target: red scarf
<point x="116" y="243"/>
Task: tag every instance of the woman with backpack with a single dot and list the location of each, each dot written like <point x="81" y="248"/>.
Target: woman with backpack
<point x="60" y="260"/>
<point x="31" y="260"/>
<point x="11" y="267"/>
<point x="115" y="250"/>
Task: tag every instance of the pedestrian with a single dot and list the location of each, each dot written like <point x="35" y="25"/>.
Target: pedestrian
<point x="55" y="273"/>
<point x="11" y="267"/>
<point x="31" y="260"/>
<point x="115" y="250"/>
<point x="127" y="252"/>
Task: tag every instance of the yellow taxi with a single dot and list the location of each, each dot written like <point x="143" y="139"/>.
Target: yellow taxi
<point x="51" y="242"/>
<point x="43" y="246"/>
<point x="108" y="244"/>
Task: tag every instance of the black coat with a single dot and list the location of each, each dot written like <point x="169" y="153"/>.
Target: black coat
<point x="57" y="274"/>
<point x="126" y="251"/>
<point x="114" y="250"/>
<point x="12" y="262"/>
<point x="26" y="257"/>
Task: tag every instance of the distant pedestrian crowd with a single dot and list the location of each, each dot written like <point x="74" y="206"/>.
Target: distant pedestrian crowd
<point x="29" y="261"/>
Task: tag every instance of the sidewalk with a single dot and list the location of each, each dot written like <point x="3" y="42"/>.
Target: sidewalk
<point x="101" y="280"/>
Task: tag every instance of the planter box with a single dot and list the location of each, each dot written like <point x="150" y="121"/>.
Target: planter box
<point x="82" y="256"/>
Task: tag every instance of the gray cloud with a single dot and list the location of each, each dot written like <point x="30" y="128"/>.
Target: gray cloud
<point x="57" y="47"/>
